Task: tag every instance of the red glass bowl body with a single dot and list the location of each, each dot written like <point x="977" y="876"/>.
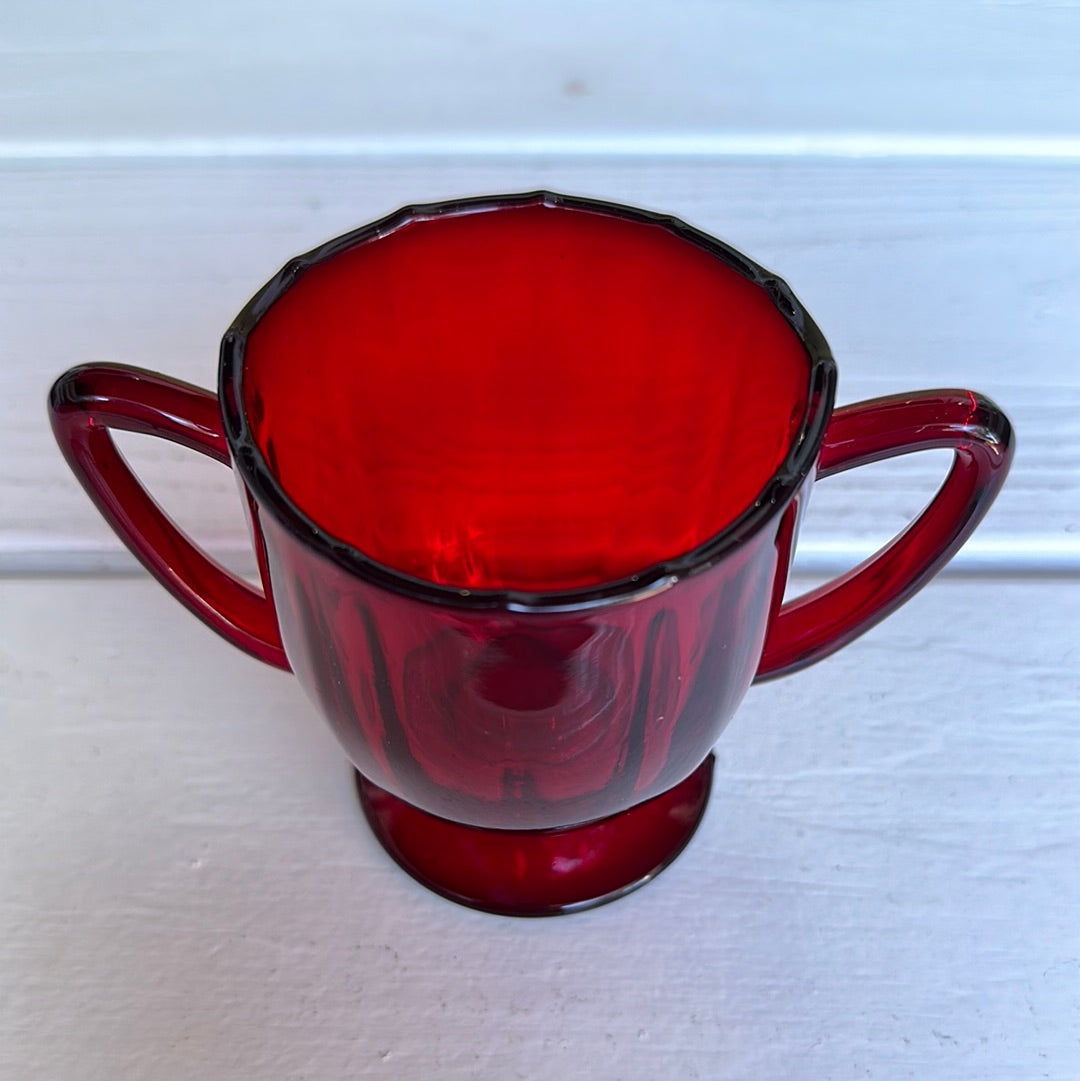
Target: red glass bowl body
<point x="541" y="628"/>
<point x="524" y="476"/>
<point x="524" y="720"/>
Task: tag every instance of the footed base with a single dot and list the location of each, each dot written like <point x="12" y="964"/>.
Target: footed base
<point x="539" y="872"/>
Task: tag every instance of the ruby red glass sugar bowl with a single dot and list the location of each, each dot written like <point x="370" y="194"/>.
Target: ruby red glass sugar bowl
<point x="524" y="476"/>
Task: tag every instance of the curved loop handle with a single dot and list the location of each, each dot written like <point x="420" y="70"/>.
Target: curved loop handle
<point x="89" y="400"/>
<point x="980" y="436"/>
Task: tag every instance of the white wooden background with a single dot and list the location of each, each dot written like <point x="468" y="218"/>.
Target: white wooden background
<point x="885" y="885"/>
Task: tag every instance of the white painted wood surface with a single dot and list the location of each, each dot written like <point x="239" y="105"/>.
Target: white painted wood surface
<point x="257" y="73"/>
<point x="884" y="886"/>
<point x="920" y="274"/>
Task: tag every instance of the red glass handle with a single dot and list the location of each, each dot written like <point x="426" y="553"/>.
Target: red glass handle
<point x="88" y="401"/>
<point x="980" y="436"/>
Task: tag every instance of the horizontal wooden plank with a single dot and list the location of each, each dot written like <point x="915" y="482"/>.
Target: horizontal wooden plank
<point x="920" y="274"/>
<point x="885" y="881"/>
<point x="420" y="69"/>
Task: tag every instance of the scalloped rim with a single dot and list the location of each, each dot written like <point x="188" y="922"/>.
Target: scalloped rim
<point x="772" y="500"/>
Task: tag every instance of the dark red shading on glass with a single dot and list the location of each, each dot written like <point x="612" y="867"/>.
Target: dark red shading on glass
<point x="89" y="400"/>
<point x="523" y="476"/>
<point x="539" y="872"/>
<point x="538" y="398"/>
<point x="820" y="622"/>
